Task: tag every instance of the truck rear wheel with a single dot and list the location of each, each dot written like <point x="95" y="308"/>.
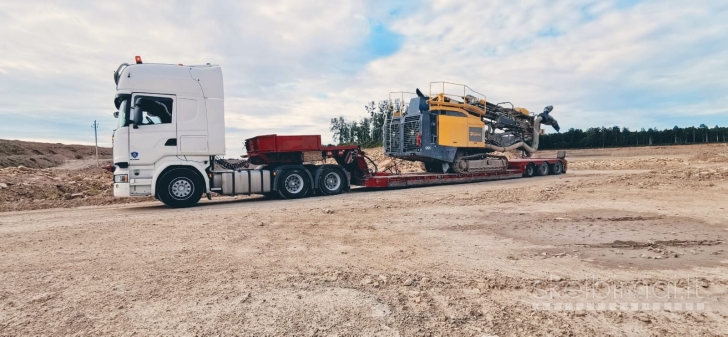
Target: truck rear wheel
<point x="331" y="181"/>
<point x="179" y="188"/>
<point x="293" y="184"/>
<point x="543" y="169"/>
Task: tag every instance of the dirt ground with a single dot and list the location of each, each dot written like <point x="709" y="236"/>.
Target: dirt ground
<point x="72" y="184"/>
<point x="629" y="242"/>
<point x="43" y="155"/>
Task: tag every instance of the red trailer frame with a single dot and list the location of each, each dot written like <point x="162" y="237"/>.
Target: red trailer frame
<point x="276" y="150"/>
<point x="516" y="169"/>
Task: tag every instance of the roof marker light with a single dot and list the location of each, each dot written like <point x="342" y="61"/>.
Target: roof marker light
<point x="138" y="59"/>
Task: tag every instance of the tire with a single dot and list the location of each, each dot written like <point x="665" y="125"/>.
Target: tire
<point x="557" y="168"/>
<point x="530" y="170"/>
<point x="542" y="169"/>
<point x="180" y="188"/>
<point x="331" y="181"/>
<point x="293" y="184"/>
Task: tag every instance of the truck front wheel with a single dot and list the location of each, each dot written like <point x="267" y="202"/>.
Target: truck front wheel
<point x="179" y="188"/>
<point x="293" y="184"/>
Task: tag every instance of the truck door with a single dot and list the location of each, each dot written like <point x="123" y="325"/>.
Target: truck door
<point x="153" y="133"/>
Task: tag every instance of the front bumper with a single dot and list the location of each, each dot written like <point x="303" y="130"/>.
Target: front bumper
<point x="121" y="190"/>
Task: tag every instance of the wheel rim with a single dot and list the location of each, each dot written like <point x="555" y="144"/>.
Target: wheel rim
<point x="294" y="184"/>
<point x="180" y="188"/>
<point x="332" y="181"/>
<point x="557" y="168"/>
<point x="544" y="169"/>
<point x="529" y="170"/>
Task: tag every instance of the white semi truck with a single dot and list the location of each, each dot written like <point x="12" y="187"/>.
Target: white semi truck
<point x="170" y="121"/>
<point x="171" y="127"/>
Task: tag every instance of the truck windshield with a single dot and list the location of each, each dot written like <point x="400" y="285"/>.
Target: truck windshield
<point x="123" y="113"/>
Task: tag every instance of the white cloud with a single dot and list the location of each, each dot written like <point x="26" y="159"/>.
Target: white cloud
<point x="596" y="62"/>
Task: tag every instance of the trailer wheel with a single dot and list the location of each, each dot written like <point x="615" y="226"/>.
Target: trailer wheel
<point x="543" y="169"/>
<point x="557" y="168"/>
<point x="293" y="184"/>
<point x="530" y="170"/>
<point x="179" y="188"/>
<point x="331" y="181"/>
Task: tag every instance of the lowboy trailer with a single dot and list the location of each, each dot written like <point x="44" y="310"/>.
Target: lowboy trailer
<point x="280" y="154"/>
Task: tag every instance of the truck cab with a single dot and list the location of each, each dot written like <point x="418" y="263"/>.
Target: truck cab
<point x="170" y="125"/>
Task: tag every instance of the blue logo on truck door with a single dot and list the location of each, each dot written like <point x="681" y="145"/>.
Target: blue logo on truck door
<point x="134" y="155"/>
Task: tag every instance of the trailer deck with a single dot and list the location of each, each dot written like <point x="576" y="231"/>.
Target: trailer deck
<point x="277" y="151"/>
<point x="428" y="179"/>
<point x="516" y="169"/>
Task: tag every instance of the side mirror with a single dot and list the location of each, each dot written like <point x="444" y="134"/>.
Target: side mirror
<point x="137" y="116"/>
<point x="116" y="114"/>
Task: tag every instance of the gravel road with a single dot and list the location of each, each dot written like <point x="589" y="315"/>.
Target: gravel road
<point x="637" y="248"/>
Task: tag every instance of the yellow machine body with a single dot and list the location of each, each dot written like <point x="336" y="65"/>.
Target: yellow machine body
<point x="460" y="131"/>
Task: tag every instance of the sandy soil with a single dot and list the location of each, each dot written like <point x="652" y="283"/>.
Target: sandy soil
<point x="72" y="184"/>
<point x="43" y="155"/>
<point x="461" y="260"/>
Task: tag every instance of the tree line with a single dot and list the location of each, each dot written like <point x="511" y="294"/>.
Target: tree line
<point x="367" y="132"/>
<point x="621" y="136"/>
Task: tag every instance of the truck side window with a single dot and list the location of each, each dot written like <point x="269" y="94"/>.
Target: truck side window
<point x="156" y="110"/>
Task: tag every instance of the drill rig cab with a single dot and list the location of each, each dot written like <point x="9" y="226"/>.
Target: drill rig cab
<point x="456" y="129"/>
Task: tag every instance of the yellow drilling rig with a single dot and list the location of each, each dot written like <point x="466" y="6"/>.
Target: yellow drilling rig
<point x="455" y="130"/>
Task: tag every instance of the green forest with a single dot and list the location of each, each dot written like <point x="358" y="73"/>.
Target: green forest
<point x="621" y="136"/>
<point x="367" y="132"/>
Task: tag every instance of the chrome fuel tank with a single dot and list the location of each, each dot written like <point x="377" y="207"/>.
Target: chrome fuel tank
<point x="241" y="182"/>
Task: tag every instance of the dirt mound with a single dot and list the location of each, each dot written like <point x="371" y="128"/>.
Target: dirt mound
<point x="382" y="160"/>
<point x="23" y="188"/>
<point x="43" y="155"/>
<point x="710" y="157"/>
<point x="377" y="155"/>
<point x="625" y="164"/>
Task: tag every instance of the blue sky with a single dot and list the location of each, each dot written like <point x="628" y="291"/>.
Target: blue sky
<point x="290" y="66"/>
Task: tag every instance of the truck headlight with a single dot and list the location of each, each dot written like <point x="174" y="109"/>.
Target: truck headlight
<point x="121" y="178"/>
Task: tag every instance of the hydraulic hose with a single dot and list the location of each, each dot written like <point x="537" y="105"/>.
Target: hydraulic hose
<point x="534" y="144"/>
<point x="230" y="166"/>
<point x="376" y="169"/>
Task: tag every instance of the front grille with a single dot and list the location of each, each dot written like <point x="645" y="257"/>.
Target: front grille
<point x="392" y="136"/>
<point x="385" y="134"/>
<point x="411" y="130"/>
